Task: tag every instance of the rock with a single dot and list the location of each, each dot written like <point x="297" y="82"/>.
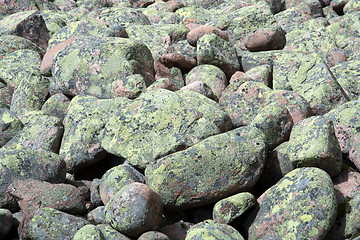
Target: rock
<point x="174" y="73"/>
<point x="88" y="232"/>
<point x="111" y="234"/>
<point x="176" y="230"/>
<point x="351" y="6"/>
<point x="304" y="198"/>
<point x="192" y="14"/>
<point x="141" y="3"/>
<point x="236" y="76"/>
<point x="153" y="235"/>
<point x="276" y="122"/>
<point x="28" y="24"/>
<point x="6" y="94"/>
<point x="163" y="83"/>
<point x="48" y="223"/>
<point x="48" y="58"/>
<point x="30" y="94"/>
<point x="243" y="104"/>
<point x="116" y="178"/>
<point x="228" y="209"/>
<point x="195" y="34"/>
<point x="242" y="154"/>
<point x="25" y="164"/>
<point x="84" y="120"/>
<point x="202" y="88"/>
<point x="345" y="74"/>
<point x="213" y="76"/>
<point x="157" y="11"/>
<point x="9" y="126"/>
<point x="209" y="228"/>
<point x="6" y="222"/>
<point x="41" y="133"/>
<point x="135" y="209"/>
<point x="90" y="66"/>
<point x="250" y="60"/>
<point x="180" y="55"/>
<point x="313" y="143"/>
<point x="56" y="106"/>
<point x="95" y="197"/>
<point x="271" y="38"/>
<point x="160" y="122"/>
<point x="213" y="50"/>
<point x="97" y="215"/>
<point x="54" y="20"/>
<point x="12" y="43"/>
<point x="262" y="73"/>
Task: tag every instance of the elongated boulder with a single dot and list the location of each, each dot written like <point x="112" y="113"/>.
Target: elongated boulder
<point x="24" y="164"/>
<point x="215" y="168"/>
<point x="301" y="205"/>
<point x="103" y="67"/>
<point x="160" y="122"/>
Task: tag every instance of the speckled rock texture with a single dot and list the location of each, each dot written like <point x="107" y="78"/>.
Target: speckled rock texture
<point x="6" y="222"/>
<point x="301" y="205"/>
<point x="212" y="230"/>
<point x="181" y="186"/>
<point x="205" y="104"/>
<point x="134" y="209"/>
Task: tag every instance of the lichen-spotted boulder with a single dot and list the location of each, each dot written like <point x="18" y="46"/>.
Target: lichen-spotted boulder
<point x="160" y="122"/>
<point x="103" y="67"/>
<point x="301" y="205"/>
<point x="11" y="43"/>
<point x="215" y="168"/>
<point x="209" y="229"/>
<point x="98" y="232"/>
<point x="84" y="120"/>
<point x="24" y="164"/>
<point x="9" y="126"/>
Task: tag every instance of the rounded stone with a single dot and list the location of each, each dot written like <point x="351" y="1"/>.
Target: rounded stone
<point x="135" y="209"/>
<point x="211" y="230"/>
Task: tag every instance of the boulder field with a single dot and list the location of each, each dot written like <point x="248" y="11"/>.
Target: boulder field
<point x="179" y="119"/>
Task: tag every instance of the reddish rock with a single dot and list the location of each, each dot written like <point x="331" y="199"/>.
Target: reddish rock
<point x="176" y="231"/>
<point x="34" y="194"/>
<point x="29" y="25"/>
<point x="141" y="3"/>
<point x="346" y="185"/>
<point x="200" y="31"/>
<point x="174" y="5"/>
<point x="265" y="39"/>
<point x="201" y="87"/>
<point x="164" y="83"/>
<point x="236" y="76"/>
<point x="45" y="67"/>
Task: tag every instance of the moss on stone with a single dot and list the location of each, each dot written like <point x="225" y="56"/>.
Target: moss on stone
<point x="210" y="230"/>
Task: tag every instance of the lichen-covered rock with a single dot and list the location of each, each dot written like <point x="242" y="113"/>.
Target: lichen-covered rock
<point x="56" y="106"/>
<point x="297" y="106"/>
<point x="33" y="194"/>
<point x="54" y="20"/>
<point x="202" y="88"/>
<point x="160" y="122"/>
<point x="28" y="24"/>
<point x="243" y="104"/>
<point x="6" y="222"/>
<point x="300" y="205"/>
<point x="276" y="122"/>
<point x="211" y="230"/>
<point x="110" y="233"/>
<point x="6" y="93"/>
<point x="192" y="14"/>
<point x="9" y="6"/>
<point x="262" y="73"/>
<point x="225" y="164"/>
<point x="228" y="209"/>
<point x="181" y="55"/>
<point x="116" y="178"/>
<point x="103" y="67"/>
<point x="97" y="215"/>
<point x="158" y="38"/>
<point x="195" y="34"/>
<point x="309" y="76"/>
<point x="211" y="49"/>
<point x="18" y="65"/>
<point x="24" y="164"/>
<point x="213" y="76"/>
<point x="88" y="232"/>
<point x="164" y="83"/>
<point x="250" y="60"/>
<point x="11" y="43"/>
<point x="264" y="39"/>
<point x="48" y="223"/>
<point x="135" y="209"/>
<point x="9" y="126"/>
<point x="41" y="133"/>
<point x="174" y="73"/>
<point x="30" y="94"/>
<point x="157" y="11"/>
<point x="347" y="75"/>
<point x="347" y="124"/>
<point x="84" y="120"/>
<point x="153" y="235"/>
<point x="351" y="6"/>
<point x="313" y="143"/>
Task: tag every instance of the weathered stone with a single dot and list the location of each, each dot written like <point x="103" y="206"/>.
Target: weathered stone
<point x="192" y="14"/>
<point x="213" y="76"/>
<point x="160" y="122"/>
<point x="84" y="120"/>
<point x="97" y="215"/>
<point x="228" y="209"/>
<point x="41" y="133"/>
<point x="302" y="204"/>
<point x="157" y="11"/>
<point x="180" y="55"/>
<point x="100" y="232"/>
<point x="195" y="34"/>
<point x="6" y="222"/>
<point x="24" y="164"/>
<point x="135" y="209"/>
<point x="9" y="126"/>
<point x="163" y="83"/>
<point x="153" y="235"/>
<point x="181" y="186"/>
<point x="56" y="106"/>
<point x="263" y="39"/>
<point x="202" y="88"/>
<point x="6" y="94"/>
<point x="244" y="103"/>
<point x="12" y="43"/>
<point x="250" y="60"/>
<point x="48" y="223"/>
<point x="116" y="178"/>
<point x="262" y="73"/>
<point x="29" y="25"/>
<point x="347" y="74"/>
<point x="351" y="6"/>
<point x="210" y="229"/>
<point x="211" y="49"/>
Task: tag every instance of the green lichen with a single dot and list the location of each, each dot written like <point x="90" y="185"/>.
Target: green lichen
<point x="88" y="232"/>
<point x="210" y="230"/>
